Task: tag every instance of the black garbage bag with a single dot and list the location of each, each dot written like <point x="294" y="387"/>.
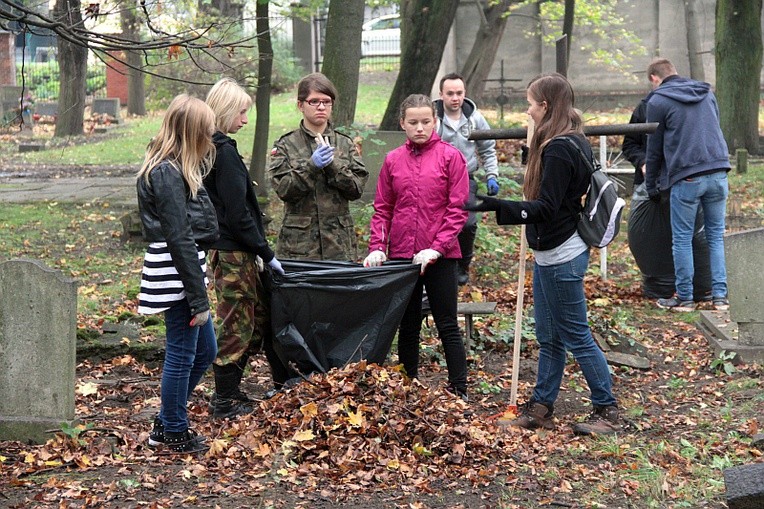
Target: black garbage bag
<point x="650" y="243"/>
<point x="326" y="314"/>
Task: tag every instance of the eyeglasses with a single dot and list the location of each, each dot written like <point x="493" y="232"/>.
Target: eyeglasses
<point x="317" y="102"/>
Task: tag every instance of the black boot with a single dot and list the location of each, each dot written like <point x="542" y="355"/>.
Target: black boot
<point x="226" y="402"/>
<point x="184" y="442"/>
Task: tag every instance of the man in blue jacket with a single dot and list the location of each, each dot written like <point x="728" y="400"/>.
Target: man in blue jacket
<point x="687" y="155"/>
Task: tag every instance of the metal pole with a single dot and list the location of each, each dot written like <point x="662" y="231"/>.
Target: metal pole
<point x="520" y="133"/>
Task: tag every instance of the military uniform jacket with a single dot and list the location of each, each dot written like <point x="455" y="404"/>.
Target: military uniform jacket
<point x="317" y="224"/>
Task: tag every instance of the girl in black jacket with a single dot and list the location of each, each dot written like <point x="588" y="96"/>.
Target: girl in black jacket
<point x="179" y="223"/>
<point x="555" y="180"/>
<point x="237" y="259"/>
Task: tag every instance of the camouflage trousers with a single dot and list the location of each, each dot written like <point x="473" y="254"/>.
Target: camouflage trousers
<point x="243" y="313"/>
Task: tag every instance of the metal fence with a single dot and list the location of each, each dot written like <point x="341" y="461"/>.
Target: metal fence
<point x="41" y="80"/>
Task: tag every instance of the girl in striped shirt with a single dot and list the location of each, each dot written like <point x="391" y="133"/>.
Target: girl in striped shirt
<point x="179" y="223"/>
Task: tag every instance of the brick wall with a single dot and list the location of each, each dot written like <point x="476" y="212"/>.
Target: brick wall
<point x="116" y="79"/>
<point x="7" y="59"/>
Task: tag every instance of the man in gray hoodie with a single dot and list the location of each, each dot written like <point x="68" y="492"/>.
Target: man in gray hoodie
<point x="458" y="116"/>
<point x="688" y="156"/>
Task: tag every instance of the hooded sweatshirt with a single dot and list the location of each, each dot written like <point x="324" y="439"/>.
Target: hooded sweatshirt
<point x="689" y="139"/>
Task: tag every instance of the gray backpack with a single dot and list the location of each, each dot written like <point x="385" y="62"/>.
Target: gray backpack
<point x="600" y="219"/>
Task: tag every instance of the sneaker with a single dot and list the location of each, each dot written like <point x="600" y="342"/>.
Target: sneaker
<point x="534" y="415"/>
<point x="156" y="437"/>
<point x="721" y="304"/>
<point x="185" y="442"/>
<point x="459" y="391"/>
<point x="228" y="408"/>
<point x="602" y="421"/>
<point x="674" y="304"/>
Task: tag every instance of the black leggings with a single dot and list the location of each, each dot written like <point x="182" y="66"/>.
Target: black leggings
<point x="440" y="281"/>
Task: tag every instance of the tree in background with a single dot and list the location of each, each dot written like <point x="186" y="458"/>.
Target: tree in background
<point x="136" y="86"/>
<point x="342" y="56"/>
<point x="424" y="31"/>
<point x="72" y="61"/>
<point x="738" y="71"/>
<point x="477" y="67"/>
<point x="260" y="145"/>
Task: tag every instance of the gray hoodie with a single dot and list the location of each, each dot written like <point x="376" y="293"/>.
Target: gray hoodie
<point x="471" y="120"/>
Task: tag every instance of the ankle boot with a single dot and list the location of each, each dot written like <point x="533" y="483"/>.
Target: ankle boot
<point x="227" y="401"/>
<point x="184" y="442"/>
<point x="534" y="415"/>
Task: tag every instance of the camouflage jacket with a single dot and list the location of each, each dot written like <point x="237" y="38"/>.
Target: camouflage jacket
<point x="317" y="223"/>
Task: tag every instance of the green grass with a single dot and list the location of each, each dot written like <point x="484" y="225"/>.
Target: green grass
<point x="126" y="143"/>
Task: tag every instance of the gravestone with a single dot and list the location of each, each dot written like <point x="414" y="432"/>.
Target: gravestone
<point x="108" y="107"/>
<point x="741" y="330"/>
<point x="375" y="149"/>
<point x="46" y="109"/>
<point x="38" y="329"/>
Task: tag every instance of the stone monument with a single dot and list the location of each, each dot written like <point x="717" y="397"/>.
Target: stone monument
<point x="38" y="333"/>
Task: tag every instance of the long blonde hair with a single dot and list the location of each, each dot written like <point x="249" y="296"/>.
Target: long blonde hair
<point x="227" y="98"/>
<point x="560" y="118"/>
<point x="185" y="140"/>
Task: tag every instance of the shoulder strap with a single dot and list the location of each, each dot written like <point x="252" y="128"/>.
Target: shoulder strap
<point x="592" y="163"/>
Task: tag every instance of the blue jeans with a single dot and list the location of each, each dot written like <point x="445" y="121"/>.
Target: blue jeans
<point x="188" y="353"/>
<point x="710" y="192"/>
<point x="562" y="326"/>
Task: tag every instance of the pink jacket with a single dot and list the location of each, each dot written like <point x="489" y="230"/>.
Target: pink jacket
<point x="418" y="205"/>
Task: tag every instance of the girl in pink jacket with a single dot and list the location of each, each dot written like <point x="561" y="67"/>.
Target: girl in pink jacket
<point x="418" y="214"/>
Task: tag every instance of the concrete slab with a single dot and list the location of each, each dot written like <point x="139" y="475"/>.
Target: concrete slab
<point x="722" y="334"/>
<point x="115" y="190"/>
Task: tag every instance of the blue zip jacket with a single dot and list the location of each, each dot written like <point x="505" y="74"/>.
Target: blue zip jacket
<point x="689" y="139"/>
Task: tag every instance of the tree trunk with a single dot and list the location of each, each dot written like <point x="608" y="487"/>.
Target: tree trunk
<point x="693" y="40"/>
<point x="136" y="88"/>
<point x="424" y="31"/>
<point x="342" y="56"/>
<point x="72" y="62"/>
<point x="484" y="49"/>
<point x="738" y="70"/>
<point x="262" y="99"/>
<point x="567" y="24"/>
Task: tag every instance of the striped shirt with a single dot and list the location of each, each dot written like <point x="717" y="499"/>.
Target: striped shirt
<point x="161" y="286"/>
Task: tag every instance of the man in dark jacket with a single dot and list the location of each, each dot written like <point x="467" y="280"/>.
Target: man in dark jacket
<point x="688" y="155"/>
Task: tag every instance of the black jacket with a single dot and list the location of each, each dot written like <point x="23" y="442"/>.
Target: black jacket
<point x="169" y="214"/>
<point x="233" y="193"/>
<point x="635" y="145"/>
<point x="553" y="216"/>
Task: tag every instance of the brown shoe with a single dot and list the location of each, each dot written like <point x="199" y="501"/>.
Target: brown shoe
<point x="534" y="415"/>
<point x="602" y="421"/>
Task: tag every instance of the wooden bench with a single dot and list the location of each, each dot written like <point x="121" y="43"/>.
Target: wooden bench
<point x="470" y="309"/>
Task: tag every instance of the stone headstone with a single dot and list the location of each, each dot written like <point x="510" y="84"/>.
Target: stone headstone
<point x="108" y="106"/>
<point x="375" y="148"/>
<point x="744" y="486"/>
<point x="46" y="109"/>
<point x="10" y="93"/>
<point x="741" y="330"/>
<point x="38" y="333"/>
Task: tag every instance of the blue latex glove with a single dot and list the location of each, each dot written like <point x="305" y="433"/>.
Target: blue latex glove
<point x="493" y="187"/>
<point x="322" y="156"/>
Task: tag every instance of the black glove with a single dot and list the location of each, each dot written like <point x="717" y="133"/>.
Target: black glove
<point x="655" y="196"/>
<point x="485" y="203"/>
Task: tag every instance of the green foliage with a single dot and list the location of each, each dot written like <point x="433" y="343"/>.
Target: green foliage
<point x="613" y="45"/>
<point x="74" y="432"/>
<point x="723" y="363"/>
<point x="42" y="79"/>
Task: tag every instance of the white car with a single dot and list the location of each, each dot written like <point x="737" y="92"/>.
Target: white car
<point x="381" y="36"/>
